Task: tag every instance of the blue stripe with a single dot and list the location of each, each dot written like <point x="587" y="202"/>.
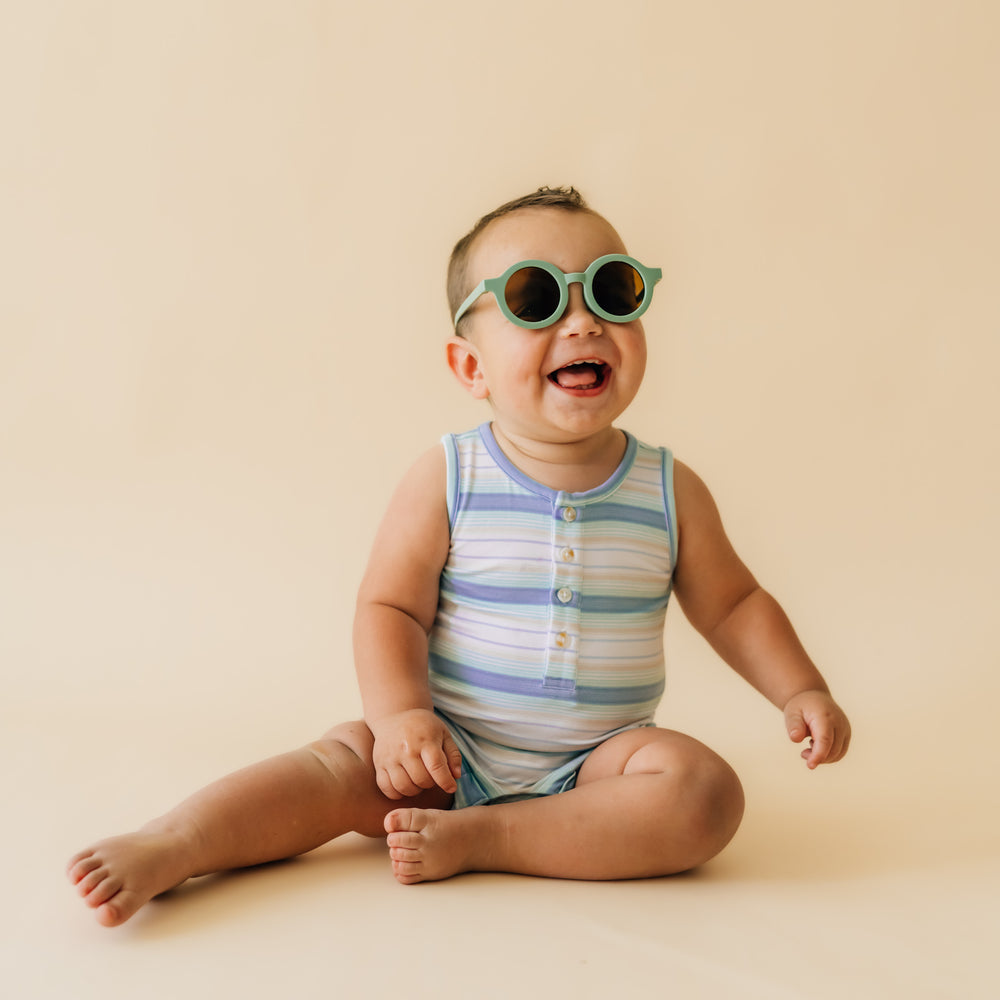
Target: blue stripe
<point x="532" y="596"/>
<point x="629" y="514"/>
<point x="536" y="687"/>
<point x="452" y="473"/>
<point x="667" y="468"/>
<point x="609" y="604"/>
<point x="535" y="597"/>
<point x="494" y="502"/>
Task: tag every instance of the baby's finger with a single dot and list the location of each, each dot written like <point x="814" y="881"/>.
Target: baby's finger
<point x="841" y="744"/>
<point x="420" y="774"/>
<point x="402" y="781"/>
<point x="385" y="785"/>
<point x="454" y="757"/>
<point x="796" y="726"/>
<point x="819" y="752"/>
<point x="438" y="768"/>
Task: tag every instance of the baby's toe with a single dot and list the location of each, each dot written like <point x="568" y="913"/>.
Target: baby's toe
<point x="405" y="839"/>
<point x="106" y="889"/>
<point x="80" y="865"/>
<point x="89" y="882"/>
<point x="400" y="820"/>
<point x="407" y="872"/>
<point x="116" y="912"/>
<point x="404" y="854"/>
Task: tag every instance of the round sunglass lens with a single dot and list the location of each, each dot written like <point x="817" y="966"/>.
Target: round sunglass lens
<point x="532" y="294"/>
<point x="618" y="288"/>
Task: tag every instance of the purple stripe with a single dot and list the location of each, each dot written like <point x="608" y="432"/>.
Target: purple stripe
<point x="537" y="688"/>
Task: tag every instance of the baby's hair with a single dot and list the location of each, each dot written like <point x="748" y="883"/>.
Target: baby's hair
<point x="459" y="285"/>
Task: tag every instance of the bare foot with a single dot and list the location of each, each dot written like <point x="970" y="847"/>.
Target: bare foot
<point x="427" y="845"/>
<point x="119" y="875"/>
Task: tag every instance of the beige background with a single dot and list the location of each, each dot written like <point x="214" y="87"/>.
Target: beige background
<point x="224" y="230"/>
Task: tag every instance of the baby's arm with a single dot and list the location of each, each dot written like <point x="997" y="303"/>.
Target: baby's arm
<point x="747" y="627"/>
<point x="397" y="602"/>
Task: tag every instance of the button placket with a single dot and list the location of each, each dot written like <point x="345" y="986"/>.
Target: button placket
<point x="561" y="661"/>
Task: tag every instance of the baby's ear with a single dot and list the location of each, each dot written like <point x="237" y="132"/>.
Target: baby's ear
<point x="464" y="363"/>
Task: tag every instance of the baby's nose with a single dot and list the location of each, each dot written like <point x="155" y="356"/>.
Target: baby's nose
<point x="578" y="319"/>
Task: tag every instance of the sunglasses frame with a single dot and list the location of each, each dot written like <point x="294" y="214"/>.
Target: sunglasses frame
<point x="650" y="276"/>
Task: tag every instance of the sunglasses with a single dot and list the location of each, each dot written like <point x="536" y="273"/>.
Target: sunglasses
<point x="535" y="293"/>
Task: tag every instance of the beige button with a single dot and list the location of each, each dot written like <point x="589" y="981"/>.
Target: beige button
<point x="568" y="555"/>
<point x="569" y="513"/>
<point x="565" y="595"/>
<point x="562" y="640"/>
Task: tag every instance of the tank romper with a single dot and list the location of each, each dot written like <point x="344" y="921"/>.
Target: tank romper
<point x="548" y="638"/>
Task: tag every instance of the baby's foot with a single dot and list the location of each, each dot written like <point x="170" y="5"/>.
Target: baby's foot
<point x="119" y="875"/>
<point x="427" y="844"/>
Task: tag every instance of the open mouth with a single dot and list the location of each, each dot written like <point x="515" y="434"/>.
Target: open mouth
<point x="582" y="375"/>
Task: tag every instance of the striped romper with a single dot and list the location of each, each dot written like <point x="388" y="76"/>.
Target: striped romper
<point x="549" y="631"/>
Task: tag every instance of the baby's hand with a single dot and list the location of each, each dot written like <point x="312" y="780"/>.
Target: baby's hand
<point x="817" y="715"/>
<point x="414" y="751"/>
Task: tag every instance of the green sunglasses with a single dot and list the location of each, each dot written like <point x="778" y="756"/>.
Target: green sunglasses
<point x="535" y="293"/>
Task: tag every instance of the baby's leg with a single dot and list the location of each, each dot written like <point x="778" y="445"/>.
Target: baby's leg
<point x="647" y="802"/>
<point x="268" y="811"/>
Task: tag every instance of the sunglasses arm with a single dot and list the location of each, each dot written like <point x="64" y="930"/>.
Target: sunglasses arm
<point x="480" y="289"/>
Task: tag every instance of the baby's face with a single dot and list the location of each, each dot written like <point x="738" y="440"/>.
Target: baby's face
<point x="566" y="381"/>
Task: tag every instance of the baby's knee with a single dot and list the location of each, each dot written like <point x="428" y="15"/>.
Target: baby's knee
<point x="716" y="802"/>
<point x="702" y="801"/>
<point x="346" y="753"/>
<point x="726" y="799"/>
<point x="356" y="736"/>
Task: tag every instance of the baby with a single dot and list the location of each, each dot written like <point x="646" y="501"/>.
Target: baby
<point x="508" y="633"/>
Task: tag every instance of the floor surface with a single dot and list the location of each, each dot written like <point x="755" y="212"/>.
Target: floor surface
<point x="846" y="881"/>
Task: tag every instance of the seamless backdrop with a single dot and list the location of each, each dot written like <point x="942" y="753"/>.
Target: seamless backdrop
<point x="222" y="315"/>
